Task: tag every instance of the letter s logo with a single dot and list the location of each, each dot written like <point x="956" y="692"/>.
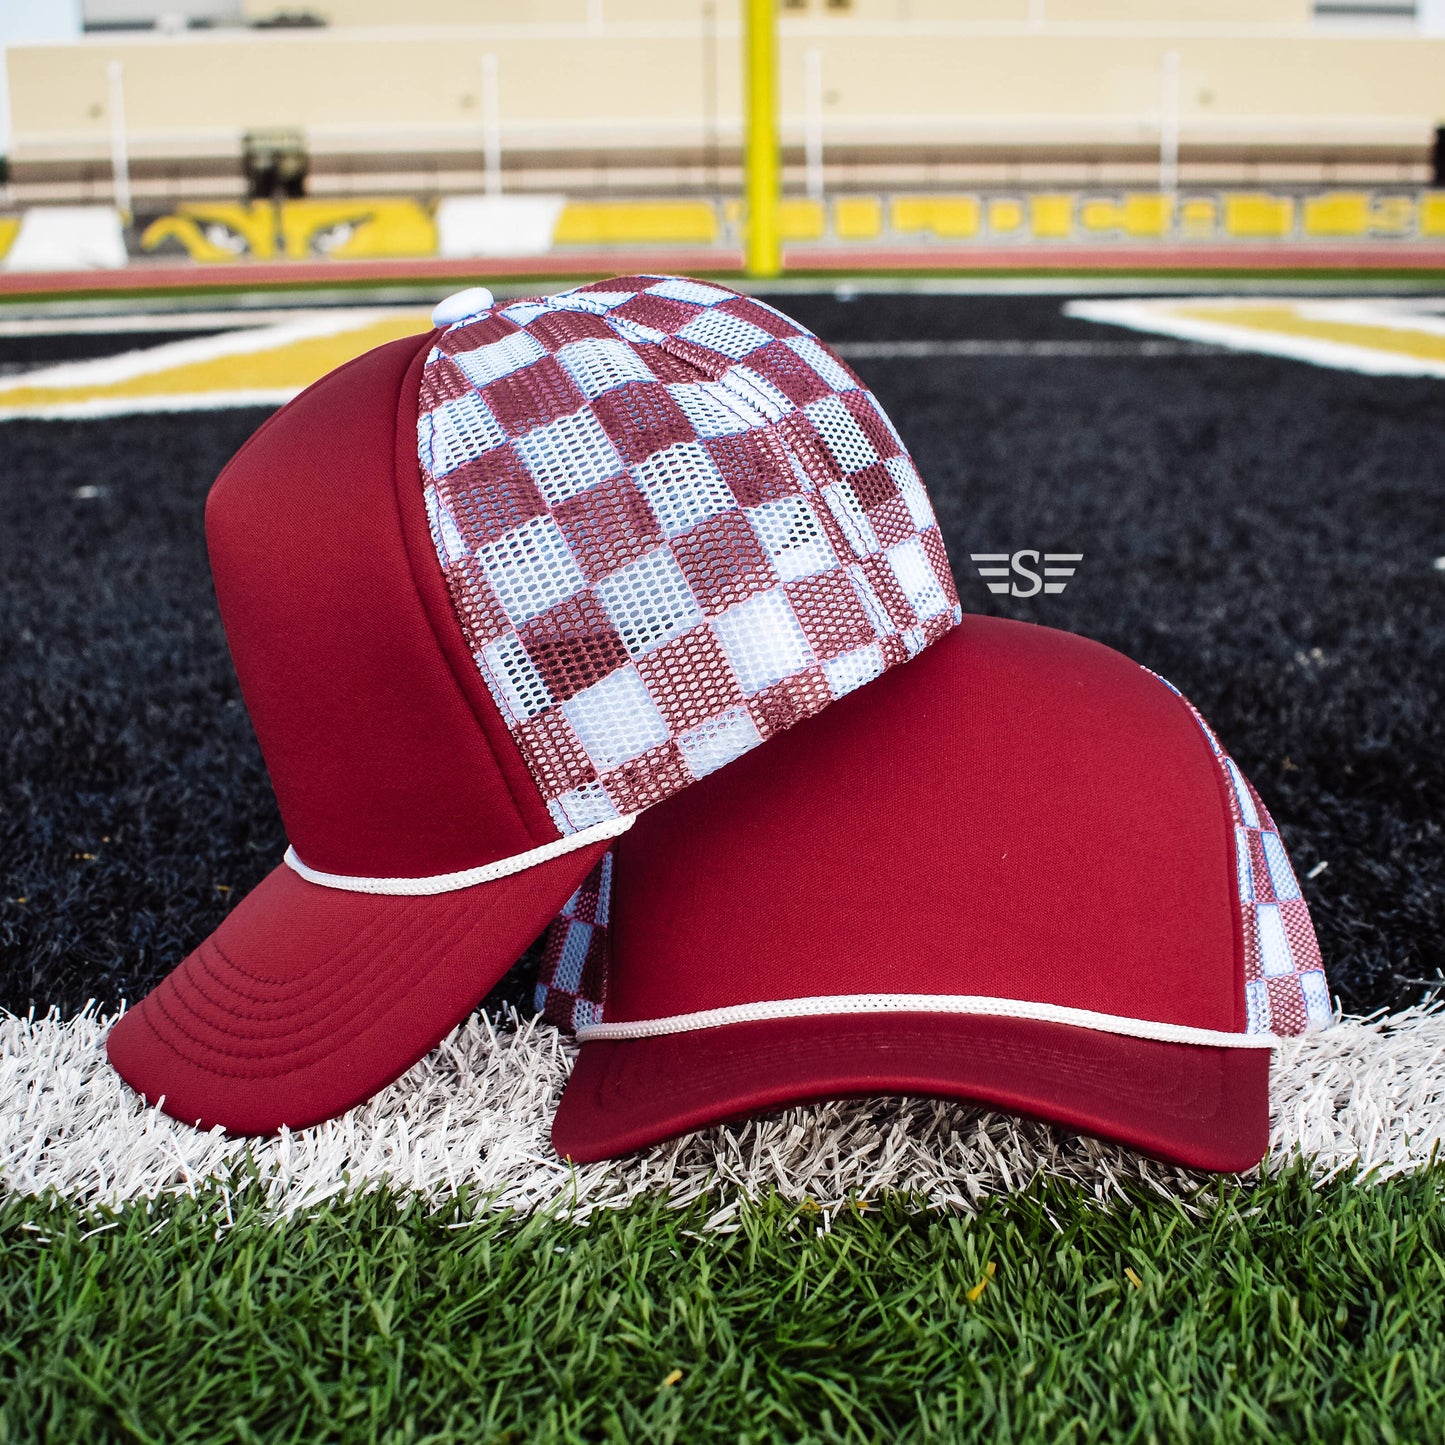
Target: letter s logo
<point x="1025" y="572"/>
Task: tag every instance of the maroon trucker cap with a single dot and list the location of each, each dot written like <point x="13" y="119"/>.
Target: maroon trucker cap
<point x="490" y="592"/>
<point x="1020" y="871"/>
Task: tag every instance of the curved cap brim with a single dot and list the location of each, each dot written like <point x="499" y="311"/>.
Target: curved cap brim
<point x="1206" y="1108"/>
<point x="308" y="999"/>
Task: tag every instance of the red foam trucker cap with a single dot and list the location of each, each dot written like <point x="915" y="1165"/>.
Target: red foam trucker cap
<point x="1019" y="871"/>
<point x="490" y="592"/>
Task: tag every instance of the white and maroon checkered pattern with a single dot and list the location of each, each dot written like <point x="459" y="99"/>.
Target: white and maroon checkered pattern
<point x="1284" y="977"/>
<point x="672" y="523"/>
<point x="572" y="980"/>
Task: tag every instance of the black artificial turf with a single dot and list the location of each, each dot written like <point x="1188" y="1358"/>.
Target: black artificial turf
<point x="1261" y="532"/>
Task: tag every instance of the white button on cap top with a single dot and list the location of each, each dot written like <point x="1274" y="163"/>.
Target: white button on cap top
<point x="461" y="304"/>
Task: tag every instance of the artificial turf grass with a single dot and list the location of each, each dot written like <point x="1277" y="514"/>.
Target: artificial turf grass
<point x="1244" y="1313"/>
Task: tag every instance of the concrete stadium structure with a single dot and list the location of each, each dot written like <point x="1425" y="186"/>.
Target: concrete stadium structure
<point x="642" y="97"/>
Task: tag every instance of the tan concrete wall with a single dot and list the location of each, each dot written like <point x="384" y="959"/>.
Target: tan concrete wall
<point x="885" y="84"/>
<point x="579" y="12"/>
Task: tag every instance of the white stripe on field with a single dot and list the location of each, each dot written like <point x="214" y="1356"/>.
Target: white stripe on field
<point x="1156" y="316"/>
<point x="905" y="350"/>
<point x="1367" y="1096"/>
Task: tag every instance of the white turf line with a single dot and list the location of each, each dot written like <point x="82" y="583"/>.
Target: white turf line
<point x="1366" y="1098"/>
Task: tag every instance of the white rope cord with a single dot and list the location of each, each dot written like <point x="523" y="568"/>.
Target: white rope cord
<point x="924" y="1003"/>
<point x="468" y="877"/>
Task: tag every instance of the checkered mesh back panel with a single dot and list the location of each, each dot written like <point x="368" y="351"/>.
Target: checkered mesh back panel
<point x="672" y="523"/>
<point x="572" y="981"/>
<point x="1284" y="977"/>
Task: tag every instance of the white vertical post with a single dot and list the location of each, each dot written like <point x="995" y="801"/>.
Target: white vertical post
<point x="594" y="14"/>
<point x="1169" y="122"/>
<point x="119" y="155"/>
<point x="813" y="120"/>
<point x="491" y="126"/>
<point x="1036" y="14"/>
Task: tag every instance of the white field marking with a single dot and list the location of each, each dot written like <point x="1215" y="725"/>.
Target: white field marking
<point x="905" y="350"/>
<point x="1365" y="1099"/>
<point x="129" y="365"/>
<point x="1163" y="318"/>
<point x="163" y="321"/>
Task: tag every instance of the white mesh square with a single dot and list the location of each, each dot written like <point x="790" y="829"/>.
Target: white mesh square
<point x="499" y="358"/>
<point x="615" y="719"/>
<point x="581" y="808"/>
<point x="917" y="579"/>
<point x="758" y="393"/>
<point x="848" y="510"/>
<point x="679" y="288"/>
<point x="718" y="741"/>
<point x="1245" y="870"/>
<point x="1242" y="794"/>
<point x="530" y="568"/>
<point x="444" y="530"/>
<point x="523" y="313"/>
<point x="1275" y="957"/>
<point x="724" y="332"/>
<point x="843" y="436"/>
<point x="910" y="488"/>
<point x="597" y="302"/>
<point x="1318" y="1008"/>
<point x="514" y="679"/>
<point x="878" y="617"/>
<point x="1281" y="875"/>
<point x="710" y="410"/>
<point x="459" y="431"/>
<point x="825" y="366"/>
<point x="598" y="366"/>
<point x="763" y="641"/>
<point x="1256" y="1007"/>
<point x="683" y="487"/>
<point x="793" y="536"/>
<point x="853" y="669"/>
<point x="569" y="455"/>
<point x="649" y="601"/>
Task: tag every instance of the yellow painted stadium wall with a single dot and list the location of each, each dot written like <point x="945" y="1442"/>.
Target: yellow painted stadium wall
<point x="377" y="227"/>
<point x="349" y="90"/>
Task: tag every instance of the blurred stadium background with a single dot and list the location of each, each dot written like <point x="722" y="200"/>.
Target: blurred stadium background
<point x="213" y="130"/>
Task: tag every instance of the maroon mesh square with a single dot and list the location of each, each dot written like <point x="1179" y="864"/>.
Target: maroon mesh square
<point x="789" y="373"/>
<point x="479" y="609"/>
<point x="1286" y="1004"/>
<point x="648" y="779"/>
<point x="865" y="413"/>
<point x="690" y="679"/>
<point x="533" y="396"/>
<point x="873" y="486"/>
<point x="556" y="329"/>
<point x="659" y="312"/>
<point x="756" y="314"/>
<point x="490" y="495"/>
<point x="642" y="418"/>
<point x="778" y="707"/>
<point x="750" y="469"/>
<point x="481" y="332"/>
<point x="449" y="380"/>
<point x="573" y="645"/>
<point x="1259" y="867"/>
<point x="937" y="558"/>
<point x="723" y="561"/>
<point x="553" y="753"/>
<point x="608" y="526"/>
<point x="666" y="365"/>
<point x="891" y="522"/>
<point x="800" y="437"/>
<point x="1304" y="947"/>
<point x="831" y="614"/>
